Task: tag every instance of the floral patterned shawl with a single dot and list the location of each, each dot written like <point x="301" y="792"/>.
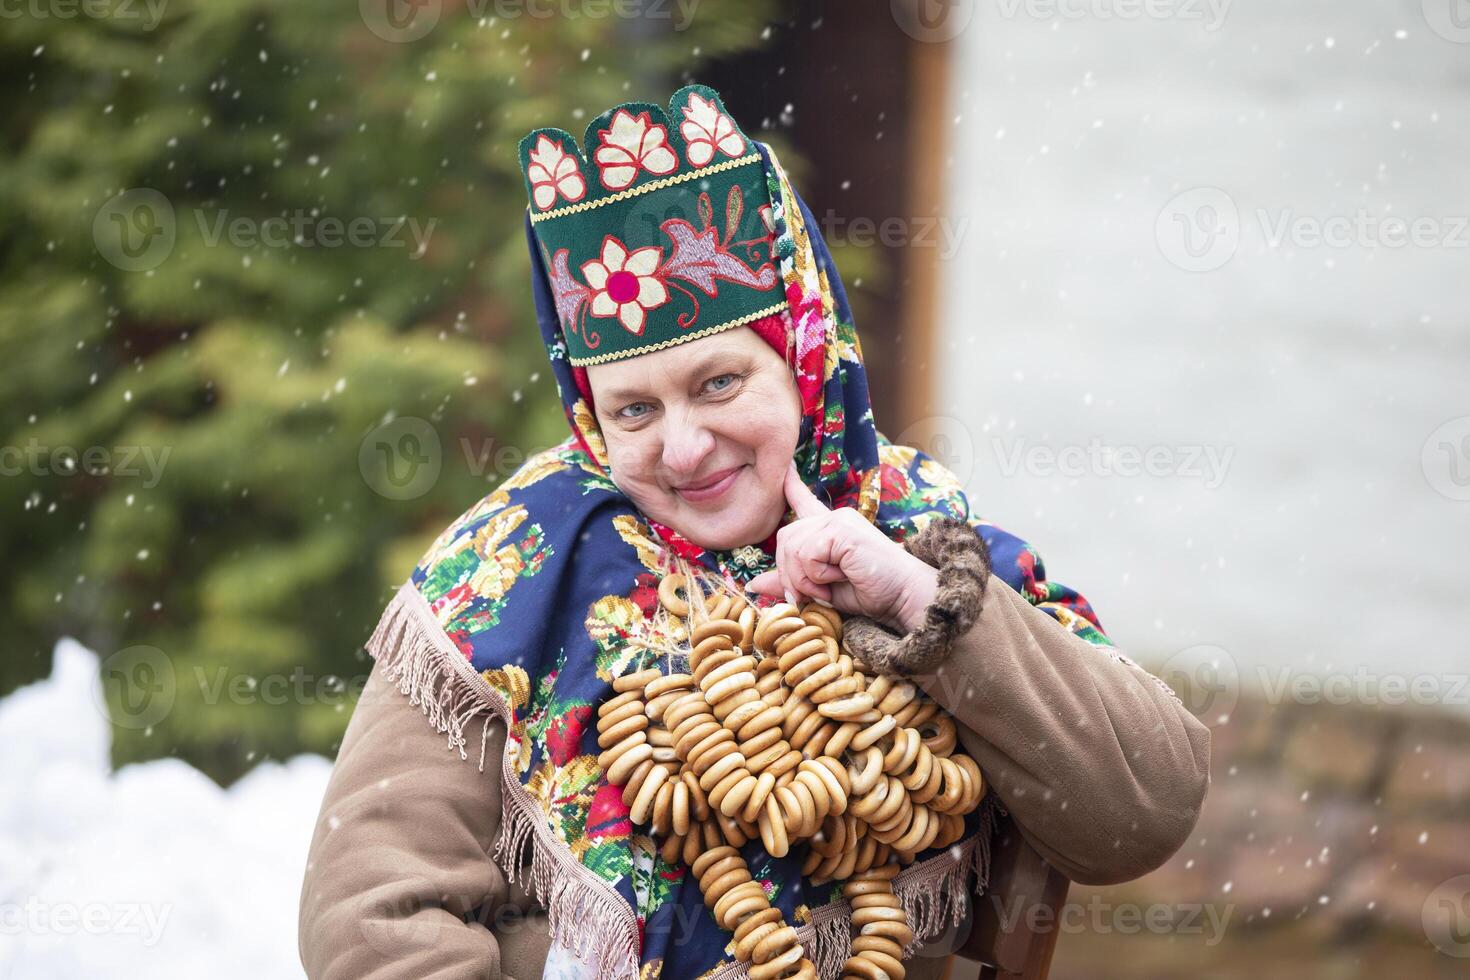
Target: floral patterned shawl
<point x="530" y="603"/>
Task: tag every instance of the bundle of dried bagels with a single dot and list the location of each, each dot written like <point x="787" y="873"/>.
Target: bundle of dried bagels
<point x="777" y="732"/>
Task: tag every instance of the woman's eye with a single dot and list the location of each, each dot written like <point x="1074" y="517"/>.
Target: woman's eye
<point x="721" y="382"/>
<point x="635" y="410"/>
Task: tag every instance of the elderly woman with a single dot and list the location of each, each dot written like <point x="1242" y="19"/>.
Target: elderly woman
<point x="721" y="431"/>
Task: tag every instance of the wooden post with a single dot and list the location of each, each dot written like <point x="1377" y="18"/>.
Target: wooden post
<point x="928" y="139"/>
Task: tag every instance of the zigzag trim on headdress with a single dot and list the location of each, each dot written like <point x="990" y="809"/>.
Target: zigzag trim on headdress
<point x="738" y="322"/>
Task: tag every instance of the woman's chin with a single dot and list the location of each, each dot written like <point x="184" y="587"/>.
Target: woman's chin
<point x="714" y="539"/>
<point x="725" y="532"/>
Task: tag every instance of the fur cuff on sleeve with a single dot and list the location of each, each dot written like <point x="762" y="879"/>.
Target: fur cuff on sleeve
<point x="963" y="560"/>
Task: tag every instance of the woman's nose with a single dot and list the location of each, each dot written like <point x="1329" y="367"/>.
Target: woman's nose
<point x="686" y="444"/>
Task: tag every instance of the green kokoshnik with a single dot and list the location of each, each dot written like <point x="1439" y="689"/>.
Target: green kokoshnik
<point x="658" y="234"/>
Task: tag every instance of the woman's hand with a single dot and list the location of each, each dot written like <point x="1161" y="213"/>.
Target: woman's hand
<point x="838" y="557"/>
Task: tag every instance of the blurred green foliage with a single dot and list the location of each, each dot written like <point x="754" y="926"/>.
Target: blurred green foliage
<point x="183" y="420"/>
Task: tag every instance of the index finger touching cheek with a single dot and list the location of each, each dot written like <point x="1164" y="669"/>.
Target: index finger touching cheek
<point x="803" y="502"/>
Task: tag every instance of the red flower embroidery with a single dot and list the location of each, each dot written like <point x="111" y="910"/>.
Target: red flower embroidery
<point x="607" y="815"/>
<point x="645" y="594"/>
<point x="625" y="284"/>
<point x="895" y="483"/>
<point x="564" y="734"/>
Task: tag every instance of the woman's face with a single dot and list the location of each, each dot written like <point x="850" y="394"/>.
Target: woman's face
<point x="699" y="435"/>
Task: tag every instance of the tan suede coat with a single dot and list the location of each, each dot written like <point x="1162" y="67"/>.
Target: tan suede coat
<point x="1102" y="768"/>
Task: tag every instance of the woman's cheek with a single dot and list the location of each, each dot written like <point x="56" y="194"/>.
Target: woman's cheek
<point x="768" y="425"/>
<point x="628" y="455"/>
<point x="745" y="422"/>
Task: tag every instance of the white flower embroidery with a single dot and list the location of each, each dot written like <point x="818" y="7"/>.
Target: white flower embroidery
<point x="630" y="143"/>
<point x="625" y="285"/>
<point x="706" y="129"/>
<point x="554" y="171"/>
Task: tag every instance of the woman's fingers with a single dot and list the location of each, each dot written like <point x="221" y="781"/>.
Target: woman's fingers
<point x="800" y="553"/>
<point x="816" y="554"/>
<point x="803" y="585"/>
<point x="786" y="563"/>
<point x="794" y="580"/>
<point x="766" y="583"/>
<point x="824" y="573"/>
<point x="803" y="502"/>
<point x="804" y="550"/>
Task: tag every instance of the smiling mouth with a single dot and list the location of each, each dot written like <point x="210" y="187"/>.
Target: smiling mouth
<point x="710" y="488"/>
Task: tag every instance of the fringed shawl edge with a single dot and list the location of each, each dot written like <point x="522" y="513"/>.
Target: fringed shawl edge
<point x="584" y="912"/>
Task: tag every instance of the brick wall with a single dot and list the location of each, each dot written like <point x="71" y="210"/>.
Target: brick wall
<point x="1332" y="844"/>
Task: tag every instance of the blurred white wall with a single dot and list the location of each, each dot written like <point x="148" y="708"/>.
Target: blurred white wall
<point x="1327" y="536"/>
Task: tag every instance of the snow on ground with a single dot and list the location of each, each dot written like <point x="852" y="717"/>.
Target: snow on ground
<point x="151" y="871"/>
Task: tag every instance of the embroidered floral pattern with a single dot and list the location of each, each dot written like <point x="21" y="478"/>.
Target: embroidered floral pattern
<point x="553" y="172"/>
<point x="630" y="144"/>
<point x="707" y="129"/>
<point x="625" y="284"/>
